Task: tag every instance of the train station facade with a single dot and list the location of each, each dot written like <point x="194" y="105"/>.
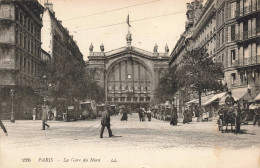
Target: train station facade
<point x="129" y="75"/>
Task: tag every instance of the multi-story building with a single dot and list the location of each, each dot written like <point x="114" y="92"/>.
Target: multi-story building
<point x="229" y="30"/>
<point x="56" y="39"/>
<point x="241" y="43"/>
<point x="20" y="52"/>
<point x="64" y="53"/>
<point x="129" y="75"/>
<point x="185" y="43"/>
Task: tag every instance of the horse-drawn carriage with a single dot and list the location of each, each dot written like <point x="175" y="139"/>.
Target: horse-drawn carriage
<point x="229" y="115"/>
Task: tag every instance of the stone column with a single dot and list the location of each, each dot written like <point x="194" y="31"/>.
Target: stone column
<point x="249" y="28"/>
<point x="253" y="26"/>
<point x="253" y="53"/>
<point x="241" y="31"/>
<point x="250" y="53"/>
<point x="241" y="55"/>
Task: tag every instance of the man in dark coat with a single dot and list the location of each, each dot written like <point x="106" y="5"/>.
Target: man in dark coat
<point x="185" y="116"/>
<point x="229" y="101"/>
<point x="174" y="116"/>
<point x="44" y="118"/>
<point x="105" y="122"/>
<point x="256" y="116"/>
<point x="140" y="112"/>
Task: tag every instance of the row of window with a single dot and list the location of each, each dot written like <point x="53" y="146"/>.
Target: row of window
<point x="208" y="30"/>
<point x="28" y="66"/>
<point x="247" y="6"/>
<point x="28" y="43"/>
<point x="25" y="80"/>
<point x="251" y="27"/>
<point x="123" y="99"/>
<point x="244" y="77"/>
<point x="221" y="38"/>
<point x="247" y="49"/>
<point x="220" y="17"/>
<point x="28" y="23"/>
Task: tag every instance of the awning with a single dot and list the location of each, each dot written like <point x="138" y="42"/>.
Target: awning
<point x="215" y="97"/>
<point x="252" y="106"/>
<point x="203" y="100"/>
<point x="237" y="94"/>
<point x="257" y="98"/>
<point x="192" y="101"/>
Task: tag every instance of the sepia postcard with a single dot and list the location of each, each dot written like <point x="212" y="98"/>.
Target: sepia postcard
<point x="129" y="84"/>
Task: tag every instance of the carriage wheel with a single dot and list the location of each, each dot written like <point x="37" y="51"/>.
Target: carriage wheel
<point x="220" y="125"/>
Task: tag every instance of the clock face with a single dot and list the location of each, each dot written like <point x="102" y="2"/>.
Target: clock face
<point x="129" y="76"/>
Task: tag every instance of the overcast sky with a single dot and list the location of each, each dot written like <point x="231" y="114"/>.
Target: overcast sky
<point x="145" y="33"/>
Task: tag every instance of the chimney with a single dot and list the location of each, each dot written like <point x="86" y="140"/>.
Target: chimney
<point x="49" y="6"/>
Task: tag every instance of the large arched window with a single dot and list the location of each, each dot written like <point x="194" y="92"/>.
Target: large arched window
<point x="129" y="81"/>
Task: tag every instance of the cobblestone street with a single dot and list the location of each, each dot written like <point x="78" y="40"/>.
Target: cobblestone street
<point x="136" y="144"/>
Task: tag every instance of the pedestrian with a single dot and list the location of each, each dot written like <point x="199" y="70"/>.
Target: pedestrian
<point x="34" y="114"/>
<point x="185" y="117"/>
<point x="3" y="127"/>
<point x="174" y="116"/>
<point x="50" y="114"/>
<point x="124" y="116"/>
<point x="155" y="111"/>
<point x="44" y="118"/>
<point x="144" y="113"/>
<point x="149" y="114"/>
<point x="140" y="113"/>
<point x="256" y="116"/>
<point x="189" y="115"/>
<point x="105" y="122"/>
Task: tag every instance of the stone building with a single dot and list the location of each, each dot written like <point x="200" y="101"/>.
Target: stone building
<point x="229" y="30"/>
<point x="56" y="39"/>
<point x="65" y="56"/>
<point x="20" y="53"/>
<point x="129" y="75"/>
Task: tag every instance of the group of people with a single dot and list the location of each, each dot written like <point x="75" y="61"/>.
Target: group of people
<point x="142" y="112"/>
<point x="164" y="113"/>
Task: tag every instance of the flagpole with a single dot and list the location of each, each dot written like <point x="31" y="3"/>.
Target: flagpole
<point x="128" y="21"/>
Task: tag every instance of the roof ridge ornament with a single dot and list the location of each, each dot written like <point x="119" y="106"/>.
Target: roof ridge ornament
<point x="129" y="39"/>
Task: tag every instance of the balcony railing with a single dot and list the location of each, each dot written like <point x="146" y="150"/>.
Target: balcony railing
<point x="235" y="63"/>
<point x="7" y="64"/>
<point x="247" y="11"/>
<point x="6" y="16"/>
<point x="245" y="35"/>
<point x="247" y="61"/>
<point x="237" y="37"/>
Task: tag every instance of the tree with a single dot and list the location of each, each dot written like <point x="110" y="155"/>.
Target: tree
<point x="168" y="86"/>
<point x="198" y="72"/>
<point x="65" y="79"/>
<point x="92" y="90"/>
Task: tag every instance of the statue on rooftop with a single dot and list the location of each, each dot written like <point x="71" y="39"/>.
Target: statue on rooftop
<point x="91" y="48"/>
<point x="102" y="47"/>
<point x="166" y="48"/>
<point x="155" y="48"/>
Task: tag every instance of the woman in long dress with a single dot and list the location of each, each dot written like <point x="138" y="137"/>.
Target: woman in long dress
<point x="124" y="116"/>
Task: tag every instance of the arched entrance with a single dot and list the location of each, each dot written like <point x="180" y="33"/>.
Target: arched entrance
<point x="129" y="82"/>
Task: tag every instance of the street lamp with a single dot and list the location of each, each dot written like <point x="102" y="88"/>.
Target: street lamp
<point x="12" y="112"/>
<point x="45" y="78"/>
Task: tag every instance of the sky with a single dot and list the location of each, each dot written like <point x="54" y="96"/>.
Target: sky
<point x="89" y="22"/>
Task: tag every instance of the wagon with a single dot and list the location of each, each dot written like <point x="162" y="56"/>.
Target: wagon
<point x="229" y="115"/>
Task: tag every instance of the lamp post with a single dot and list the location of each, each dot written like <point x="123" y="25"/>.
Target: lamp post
<point x="45" y="78"/>
<point x="12" y="112"/>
